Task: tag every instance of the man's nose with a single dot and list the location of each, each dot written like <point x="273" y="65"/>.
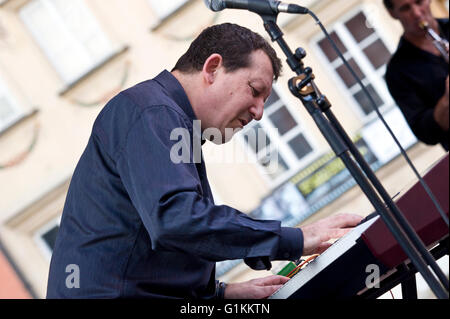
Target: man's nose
<point x="416" y="11"/>
<point x="257" y="110"/>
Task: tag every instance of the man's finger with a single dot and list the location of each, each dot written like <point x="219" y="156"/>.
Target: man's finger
<point x="273" y="280"/>
<point x="345" y="220"/>
<point x="323" y="247"/>
<point x="335" y="233"/>
<point x="269" y="290"/>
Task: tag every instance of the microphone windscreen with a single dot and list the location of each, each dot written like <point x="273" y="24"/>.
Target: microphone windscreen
<point x="215" y="5"/>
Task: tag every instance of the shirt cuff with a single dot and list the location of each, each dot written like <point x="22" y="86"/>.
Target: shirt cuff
<point x="291" y="244"/>
<point x="290" y="247"/>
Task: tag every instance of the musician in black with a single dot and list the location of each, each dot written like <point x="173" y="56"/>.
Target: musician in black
<point x="417" y="74"/>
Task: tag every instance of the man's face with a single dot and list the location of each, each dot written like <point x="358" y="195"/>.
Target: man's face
<point x="410" y="13"/>
<point x="239" y="96"/>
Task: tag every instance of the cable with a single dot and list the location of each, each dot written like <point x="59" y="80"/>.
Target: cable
<point x="392" y="295"/>
<point x="300" y="266"/>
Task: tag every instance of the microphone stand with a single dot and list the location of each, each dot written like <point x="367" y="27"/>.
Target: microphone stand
<point x="303" y="87"/>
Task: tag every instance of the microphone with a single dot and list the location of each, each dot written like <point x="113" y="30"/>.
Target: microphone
<point x="264" y="7"/>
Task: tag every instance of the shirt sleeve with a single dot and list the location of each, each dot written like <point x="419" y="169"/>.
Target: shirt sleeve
<point x="170" y="201"/>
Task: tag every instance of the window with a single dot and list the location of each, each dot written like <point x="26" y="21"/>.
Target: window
<point x="165" y="8"/>
<point x="46" y="237"/>
<point x="366" y="53"/>
<point x="279" y="135"/>
<point x="68" y="34"/>
<point x="10" y="111"/>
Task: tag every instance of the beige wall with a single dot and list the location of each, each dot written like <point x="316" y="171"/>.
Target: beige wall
<point x="33" y="192"/>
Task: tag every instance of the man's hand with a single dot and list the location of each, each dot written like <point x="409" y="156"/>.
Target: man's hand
<point x="255" y="289"/>
<point x="317" y="235"/>
<point x="441" y="110"/>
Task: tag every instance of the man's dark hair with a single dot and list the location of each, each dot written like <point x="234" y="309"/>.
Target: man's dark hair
<point x="233" y="42"/>
<point x="388" y="4"/>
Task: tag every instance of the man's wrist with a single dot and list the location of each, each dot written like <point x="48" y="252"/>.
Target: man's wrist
<point x="220" y="290"/>
<point x="440" y="113"/>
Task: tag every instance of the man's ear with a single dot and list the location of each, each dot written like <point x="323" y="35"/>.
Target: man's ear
<point x="210" y="67"/>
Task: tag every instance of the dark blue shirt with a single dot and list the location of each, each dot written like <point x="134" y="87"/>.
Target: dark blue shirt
<point x="416" y="81"/>
<point x="136" y="224"/>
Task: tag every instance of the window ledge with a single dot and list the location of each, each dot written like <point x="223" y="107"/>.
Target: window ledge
<point x="3" y="2"/>
<point x="95" y="68"/>
<point x="21" y="119"/>
<point x="12" y="4"/>
<point x="163" y="21"/>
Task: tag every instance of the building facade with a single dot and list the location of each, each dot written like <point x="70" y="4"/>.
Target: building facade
<point x="61" y="61"/>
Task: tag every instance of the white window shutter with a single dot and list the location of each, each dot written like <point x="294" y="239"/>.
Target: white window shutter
<point x="68" y="34"/>
<point x="166" y="8"/>
<point x="83" y="26"/>
<point x="9" y="108"/>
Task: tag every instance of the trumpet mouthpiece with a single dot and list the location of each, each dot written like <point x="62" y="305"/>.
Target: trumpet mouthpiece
<point x="423" y="25"/>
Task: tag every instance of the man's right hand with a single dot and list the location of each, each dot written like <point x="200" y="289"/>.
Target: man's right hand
<point x="316" y="236"/>
<point x="441" y="110"/>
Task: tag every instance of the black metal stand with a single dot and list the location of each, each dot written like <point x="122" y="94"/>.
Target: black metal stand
<point x="303" y="87"/>
<point x="405" y="276"/>
<point x="409" y="288"/>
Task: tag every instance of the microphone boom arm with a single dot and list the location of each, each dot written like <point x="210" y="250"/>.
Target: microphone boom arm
<point x="262" y="7"/>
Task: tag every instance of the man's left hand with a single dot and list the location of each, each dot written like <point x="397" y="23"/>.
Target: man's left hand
<point x="259" y="288"/>
<point x="316" y="236"/>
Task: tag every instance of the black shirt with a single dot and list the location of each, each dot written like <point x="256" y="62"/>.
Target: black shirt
<point x="416" y="81"/>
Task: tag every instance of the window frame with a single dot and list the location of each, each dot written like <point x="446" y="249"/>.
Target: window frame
<point x="39" y="240"/>
<point x="168" y="13"/>
<point x="374" y="77"/>
<point x="19" y="111"/>
<point x="59" y="68"/>
<point x="281" y="142"/>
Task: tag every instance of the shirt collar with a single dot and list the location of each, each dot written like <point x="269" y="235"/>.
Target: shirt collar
<point x="176" y="92"/>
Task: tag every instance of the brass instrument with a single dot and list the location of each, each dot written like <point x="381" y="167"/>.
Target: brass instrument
<point x="440" y="43"/>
